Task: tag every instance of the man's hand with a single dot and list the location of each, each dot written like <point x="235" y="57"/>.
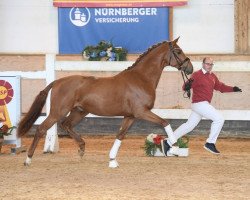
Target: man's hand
<point x="236" y="89"/>
<point x="188" y="85"/>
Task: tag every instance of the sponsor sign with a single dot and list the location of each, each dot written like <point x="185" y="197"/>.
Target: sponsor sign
<point x="135" y="29"/>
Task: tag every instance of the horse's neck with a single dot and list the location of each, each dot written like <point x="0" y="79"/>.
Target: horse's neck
<point x="150" y="69"/>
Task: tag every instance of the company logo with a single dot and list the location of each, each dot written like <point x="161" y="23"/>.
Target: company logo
<point x="6" y="92"/>
<point x="6" y="95"/>
<point x="79" y="16"/>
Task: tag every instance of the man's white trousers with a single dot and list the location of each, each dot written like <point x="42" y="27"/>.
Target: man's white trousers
<point x="199" y="110"/>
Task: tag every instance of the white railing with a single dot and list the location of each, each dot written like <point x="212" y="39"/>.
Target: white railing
<point x="48" y="74"/>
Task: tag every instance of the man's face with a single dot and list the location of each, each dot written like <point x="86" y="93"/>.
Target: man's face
<point x="208" y="64"/>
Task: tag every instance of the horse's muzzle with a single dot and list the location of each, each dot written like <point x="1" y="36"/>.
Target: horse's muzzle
<point x="187" y="67"/>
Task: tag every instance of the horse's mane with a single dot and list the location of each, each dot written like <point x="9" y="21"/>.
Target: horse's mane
<point x="145" y="53"/>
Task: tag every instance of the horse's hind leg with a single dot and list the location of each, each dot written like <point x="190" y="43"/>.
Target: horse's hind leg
<point x="126" y="123"/>
<point x="70" y="121"/>
<point x="40" y="131"/>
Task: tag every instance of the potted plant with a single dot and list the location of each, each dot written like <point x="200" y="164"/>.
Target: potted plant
<point x="182" y="143"/>
<point x="104" y="51"/>
<point x="152" y="145"/>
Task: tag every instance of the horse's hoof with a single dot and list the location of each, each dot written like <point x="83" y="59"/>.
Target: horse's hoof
<point x="81" y="153"/>
<point x="47" y="152"/>
<point x="27" y="162"/>
<point x="113" y="164"/>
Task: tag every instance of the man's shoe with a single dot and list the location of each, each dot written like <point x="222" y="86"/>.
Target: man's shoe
<point x="165" y="147"/>
<point x="211" y="148"/>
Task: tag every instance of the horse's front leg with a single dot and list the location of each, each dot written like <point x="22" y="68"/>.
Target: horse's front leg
<point x="126" y="123"/>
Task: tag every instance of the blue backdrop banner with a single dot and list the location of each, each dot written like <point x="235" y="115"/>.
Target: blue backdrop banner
<point x="135" y="29"/>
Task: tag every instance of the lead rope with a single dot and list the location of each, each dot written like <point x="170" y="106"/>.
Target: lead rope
<point x="188" y="92"/>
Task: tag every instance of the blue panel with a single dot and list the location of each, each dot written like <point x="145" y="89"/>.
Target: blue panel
<point x="135" y="29"/>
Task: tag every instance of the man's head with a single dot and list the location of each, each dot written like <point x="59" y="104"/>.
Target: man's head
<point x="208" y="64"/>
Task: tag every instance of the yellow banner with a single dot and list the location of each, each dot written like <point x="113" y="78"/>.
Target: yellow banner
<point x="118" y="3"/>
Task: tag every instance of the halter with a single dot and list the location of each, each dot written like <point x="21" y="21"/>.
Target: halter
<point x="181" y="65"/>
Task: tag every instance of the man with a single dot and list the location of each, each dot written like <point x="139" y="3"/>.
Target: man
<point x="203" y="82"/>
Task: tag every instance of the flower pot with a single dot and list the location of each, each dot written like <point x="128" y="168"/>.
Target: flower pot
<point x="173" y="151"/>
<point x="158" y="153"/>
<point x="183" y="152"/>
<point x="177" y="151"/>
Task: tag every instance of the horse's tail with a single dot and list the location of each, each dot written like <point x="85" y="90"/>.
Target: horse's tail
<point x="34" y="112"/>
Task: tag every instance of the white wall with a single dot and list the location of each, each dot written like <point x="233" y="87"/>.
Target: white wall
<point x="205" y="26"/>
<point x="30" y="26"/>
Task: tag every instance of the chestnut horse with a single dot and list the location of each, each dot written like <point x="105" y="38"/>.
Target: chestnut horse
<point x="131" y="94"/>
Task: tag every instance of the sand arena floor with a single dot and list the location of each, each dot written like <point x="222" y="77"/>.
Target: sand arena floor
<point x="65" y="176"/>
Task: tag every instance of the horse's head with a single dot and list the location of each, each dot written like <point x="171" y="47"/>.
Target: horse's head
<point x="176" y="58"/>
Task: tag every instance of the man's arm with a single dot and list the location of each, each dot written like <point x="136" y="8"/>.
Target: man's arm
<point x="219" y="86"/>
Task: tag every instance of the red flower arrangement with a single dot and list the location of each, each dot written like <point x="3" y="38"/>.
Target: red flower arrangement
<point x="152" y="143"/>
<point x="157" y="139"/>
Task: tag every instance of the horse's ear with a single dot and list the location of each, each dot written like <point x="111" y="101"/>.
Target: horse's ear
<point x="175" y="41"/>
